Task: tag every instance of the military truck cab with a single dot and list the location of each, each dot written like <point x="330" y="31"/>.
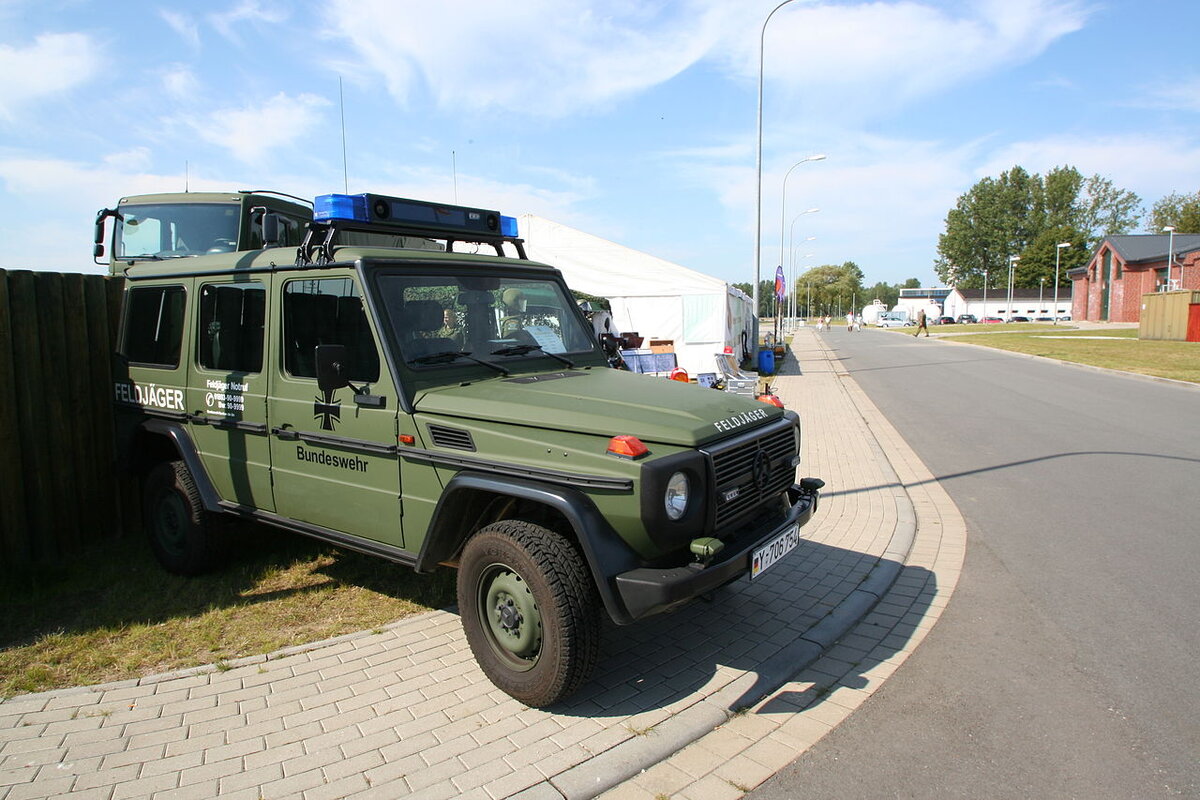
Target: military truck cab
<point x="406" y="383"/>
<point x="177" y="225"/>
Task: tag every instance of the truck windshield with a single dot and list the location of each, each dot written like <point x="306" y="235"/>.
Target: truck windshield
<point x="439" y="320"/>
<point x="171" y="230"/>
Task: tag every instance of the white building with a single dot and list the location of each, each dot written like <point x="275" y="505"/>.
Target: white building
<point x="994" y="302"/>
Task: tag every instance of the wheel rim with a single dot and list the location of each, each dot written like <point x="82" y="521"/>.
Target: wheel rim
<point x="170" y="523"/>
<point x="511" y="616"/>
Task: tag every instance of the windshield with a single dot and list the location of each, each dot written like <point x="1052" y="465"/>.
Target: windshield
<point x="171" y="230"/>
<point x="455" y="319"/>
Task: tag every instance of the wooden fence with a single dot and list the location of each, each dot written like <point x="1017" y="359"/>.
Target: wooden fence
<point x="58" y="484"/>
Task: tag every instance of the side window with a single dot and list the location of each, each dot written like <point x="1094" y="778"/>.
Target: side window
<point x="230" y="328"/>
<point x="154" y="326"/>
<point x="327" y="311"/>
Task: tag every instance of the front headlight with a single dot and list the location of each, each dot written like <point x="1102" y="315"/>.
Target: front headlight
<point x="676" y="496"/>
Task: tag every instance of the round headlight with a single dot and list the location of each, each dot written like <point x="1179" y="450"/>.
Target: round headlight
<point x="676" y="497"/>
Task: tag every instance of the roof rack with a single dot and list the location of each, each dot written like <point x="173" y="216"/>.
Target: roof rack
<point x="372" y="213"/>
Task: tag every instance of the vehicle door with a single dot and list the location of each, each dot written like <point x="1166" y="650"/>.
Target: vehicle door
<point x="227" y="388"/>
<point x="333" y="453"/>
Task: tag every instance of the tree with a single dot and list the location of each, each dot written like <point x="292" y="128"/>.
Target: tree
<point x="1180" y="210"/>
<point x="835" y="288"/>
<point x="998" y="218"/>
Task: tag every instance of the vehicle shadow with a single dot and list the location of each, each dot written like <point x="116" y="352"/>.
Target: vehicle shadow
<point x="770" y="627"/>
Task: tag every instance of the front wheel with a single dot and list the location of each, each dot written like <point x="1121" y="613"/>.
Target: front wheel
<point x="529" y="611"/>
<point x="184" y="537"/>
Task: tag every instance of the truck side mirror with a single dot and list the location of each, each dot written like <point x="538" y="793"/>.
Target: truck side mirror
<point x="101" y="215"/>
<point x="331" y="367"/>
<point x="270" y="227"/>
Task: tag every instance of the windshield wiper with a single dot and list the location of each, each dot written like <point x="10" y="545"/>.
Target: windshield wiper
<point x="446" y="356"/>
<point x="523" y="349"/>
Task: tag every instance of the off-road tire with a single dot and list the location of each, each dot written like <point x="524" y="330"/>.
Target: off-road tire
<point x="529" y="610"/>
<point x="185" y="538"/>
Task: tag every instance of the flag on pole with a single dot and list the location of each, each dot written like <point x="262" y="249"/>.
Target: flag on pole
<point x="779" y="284"/>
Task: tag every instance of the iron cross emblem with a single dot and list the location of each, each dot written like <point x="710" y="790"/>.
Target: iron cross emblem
<point x="327" y="410"/>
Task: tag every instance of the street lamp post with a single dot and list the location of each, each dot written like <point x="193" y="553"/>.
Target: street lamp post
<point x="984" y="317"/>
<point x="791" y="234"/>
<point x="1012" y="260"/>
<point x="762" y="39"/>
<point x="783" y="199"/>
<point x="1170" y="229"/>
<point x="1041" y="292"/>
<point x="1058" y="248"/>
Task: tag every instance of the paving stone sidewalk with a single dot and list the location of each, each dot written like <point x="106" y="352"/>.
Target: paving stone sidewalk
<point x="406" y="712"/>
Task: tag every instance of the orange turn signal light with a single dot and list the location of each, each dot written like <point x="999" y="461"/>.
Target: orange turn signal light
<point x="627" y="446"/>
<point x="770" y="399"/>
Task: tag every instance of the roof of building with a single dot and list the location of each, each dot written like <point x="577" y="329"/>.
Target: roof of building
<point x="1151" y="247"/>
<point x="1001" y="293"/>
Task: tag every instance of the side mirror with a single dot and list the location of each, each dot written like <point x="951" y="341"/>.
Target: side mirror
<point x="331" y="367"/>
<point x="101" y="215"/>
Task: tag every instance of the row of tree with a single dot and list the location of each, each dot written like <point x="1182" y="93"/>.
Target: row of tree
<point x="830" y="289"/>
<point x="1018" y="214"/>
<point x="1029" y="216"/>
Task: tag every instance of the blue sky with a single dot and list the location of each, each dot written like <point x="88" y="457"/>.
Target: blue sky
<point x="630" y="119"/>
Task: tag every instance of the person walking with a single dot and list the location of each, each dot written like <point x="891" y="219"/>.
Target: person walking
<point x="921" y="323"/>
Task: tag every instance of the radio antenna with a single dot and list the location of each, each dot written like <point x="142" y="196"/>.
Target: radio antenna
<point x="345" y="165"/>
<point x="453" y="173"/>
<point x="187" y="176"/>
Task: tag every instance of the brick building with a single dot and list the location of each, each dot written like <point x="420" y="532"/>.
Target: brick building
<point x="1126" y="267"/>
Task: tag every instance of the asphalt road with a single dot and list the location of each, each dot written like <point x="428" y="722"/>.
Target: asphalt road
<point x="1068" y="661"/>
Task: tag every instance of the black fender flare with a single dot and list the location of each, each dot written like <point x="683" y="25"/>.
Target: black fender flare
<point x="177" y="434"/>
<point x="606" y="554"/>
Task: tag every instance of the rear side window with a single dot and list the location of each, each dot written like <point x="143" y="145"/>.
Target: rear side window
<point x="154" y="326"/>
<point x="327" y="311"/>
<point x="230" y="330"/>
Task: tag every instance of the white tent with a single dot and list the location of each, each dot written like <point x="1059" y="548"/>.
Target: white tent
<point x="702" y="315"/>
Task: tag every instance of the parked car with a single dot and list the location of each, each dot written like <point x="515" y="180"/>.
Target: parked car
<point x="992" y="319"/>
<point x="944" y="321"/>
<point x="1019" y="319"/>
<point x="965" y="319"/>
<point x="1065" y="318"/>
<point x="890" y="319"/>
<point x="1043" y="319"/>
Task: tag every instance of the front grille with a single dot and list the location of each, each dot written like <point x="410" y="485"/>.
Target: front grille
<point x="752" y="470"/>
<point x="452" y="438"/>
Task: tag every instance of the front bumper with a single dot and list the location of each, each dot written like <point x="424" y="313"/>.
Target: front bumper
<point x="646" y="590"/>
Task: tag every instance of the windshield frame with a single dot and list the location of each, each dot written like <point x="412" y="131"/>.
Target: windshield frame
<point x="382" y="278"/>
<point x="198" y="227"/>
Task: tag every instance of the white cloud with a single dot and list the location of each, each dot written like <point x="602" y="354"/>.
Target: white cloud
<point x="538" y="57"/>
<point x="855" y="60"/>
<point x="230" y="23"/>
<point x="250" y="133"/>
<point x="180" y="83"/>
<point x="184" y="25"/>
<point x="54" y="63"/>
<point x="1149" y="164"/>
<point x="1183" y="95"/>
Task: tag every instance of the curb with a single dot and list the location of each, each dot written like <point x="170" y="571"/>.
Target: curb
<point x="615" y="766"/>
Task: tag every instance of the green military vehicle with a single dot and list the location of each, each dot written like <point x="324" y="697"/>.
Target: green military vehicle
<point x="402" y="381"/>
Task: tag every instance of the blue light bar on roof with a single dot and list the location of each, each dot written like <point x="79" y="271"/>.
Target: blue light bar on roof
<point x="398" y="212"/>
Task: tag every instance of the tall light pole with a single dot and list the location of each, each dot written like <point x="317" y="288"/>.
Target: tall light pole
<point x="984" y="317"/>
<point x="792" y="233"/>
<point x="1170" y="256"/>
<point x="783" y="202"/>
<point x="762" y="40"/>
<point x="1058" y="248"/>
<point x="1012" y="260"/>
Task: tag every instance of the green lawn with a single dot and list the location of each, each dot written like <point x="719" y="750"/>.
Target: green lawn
<point x="113" y="614"/>
<point x="1118" y="349"/>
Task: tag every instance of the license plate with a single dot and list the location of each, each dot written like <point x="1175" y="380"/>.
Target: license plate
<point x="769" y="554"/>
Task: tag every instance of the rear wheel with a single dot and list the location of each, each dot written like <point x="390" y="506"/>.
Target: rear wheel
<point x="529" y="610"/>
<point x="184" y="537"/>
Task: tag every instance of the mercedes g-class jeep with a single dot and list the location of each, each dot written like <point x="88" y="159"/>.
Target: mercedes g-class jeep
<point x="375" y="389"/>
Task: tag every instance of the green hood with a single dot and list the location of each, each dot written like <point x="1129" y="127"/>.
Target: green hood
<point x="605" y="402"/>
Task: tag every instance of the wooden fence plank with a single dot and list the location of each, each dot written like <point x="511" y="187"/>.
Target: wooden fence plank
<point x="14" y="540"/>
<point x="36" y="468"/>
